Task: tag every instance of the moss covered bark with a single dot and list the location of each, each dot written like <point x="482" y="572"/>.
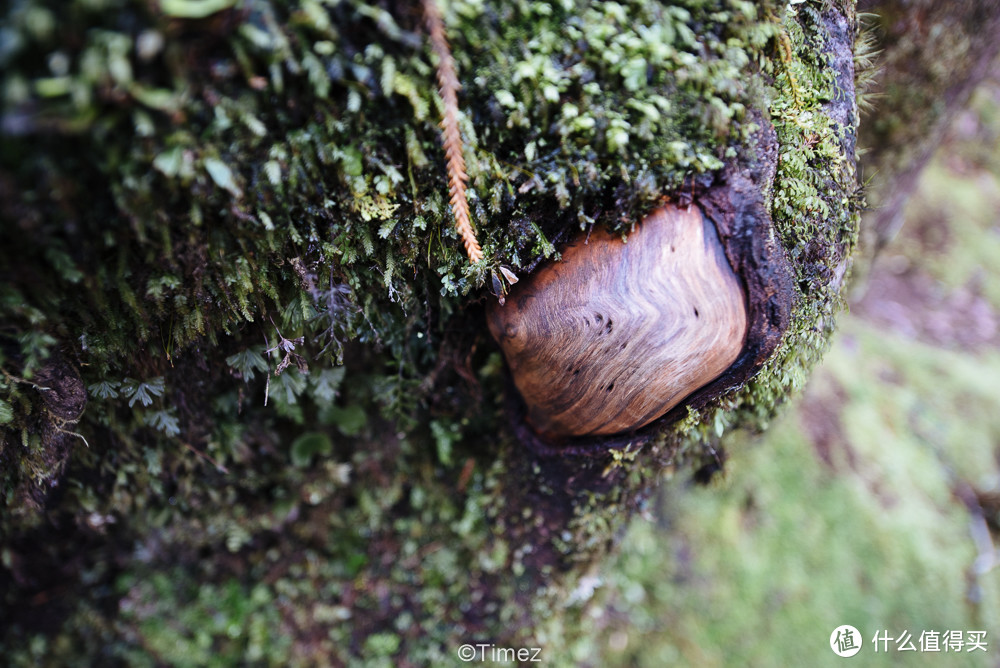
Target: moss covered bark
<point x="229" y="223"/>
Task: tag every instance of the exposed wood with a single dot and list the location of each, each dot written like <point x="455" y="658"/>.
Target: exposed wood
<point x="733" y="201"/>
<point x="616" y="334"/>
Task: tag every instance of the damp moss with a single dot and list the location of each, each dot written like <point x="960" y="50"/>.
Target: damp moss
<point x="234" y="230"/>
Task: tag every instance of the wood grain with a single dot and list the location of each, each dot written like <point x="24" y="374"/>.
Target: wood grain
<point x="616" y="334"/>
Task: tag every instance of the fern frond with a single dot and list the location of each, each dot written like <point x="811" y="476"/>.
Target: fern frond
<point x="451" y="137"/>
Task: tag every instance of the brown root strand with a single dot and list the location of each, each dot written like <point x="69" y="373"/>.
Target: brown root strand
<point x="451" y="137"/>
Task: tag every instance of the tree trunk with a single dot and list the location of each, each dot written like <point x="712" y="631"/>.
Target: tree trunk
<point x="228" y="222"/>
<point x="930" y="57"/>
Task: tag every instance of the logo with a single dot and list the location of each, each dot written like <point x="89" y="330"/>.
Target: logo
<point x="846" y="641"/>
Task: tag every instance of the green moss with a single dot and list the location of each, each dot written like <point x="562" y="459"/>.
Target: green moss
<point x="251" y="209"/>
<point x="814" y="206"/>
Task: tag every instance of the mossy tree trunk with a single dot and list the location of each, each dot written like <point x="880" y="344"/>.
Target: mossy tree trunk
<point x="250" y="408"/>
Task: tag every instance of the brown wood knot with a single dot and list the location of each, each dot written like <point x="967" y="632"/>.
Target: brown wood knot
<point x="617" y="333"/>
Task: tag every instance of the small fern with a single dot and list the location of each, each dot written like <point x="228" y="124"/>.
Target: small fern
<point x="142" y="391"/>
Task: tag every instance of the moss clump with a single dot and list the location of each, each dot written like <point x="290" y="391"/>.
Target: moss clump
<point x="204" y="215"/>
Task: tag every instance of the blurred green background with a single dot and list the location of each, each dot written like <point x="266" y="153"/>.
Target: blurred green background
<point x="874" y="500"/>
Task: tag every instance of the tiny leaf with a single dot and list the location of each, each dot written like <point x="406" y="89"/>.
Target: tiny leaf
<point x="105" y="389"/>
<point x="194" y="9"/>
<point x="350" y="420"/>
<point x="308" y="445"/>
<point x="6" y="412"/>
<point x="223" y="176"/>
